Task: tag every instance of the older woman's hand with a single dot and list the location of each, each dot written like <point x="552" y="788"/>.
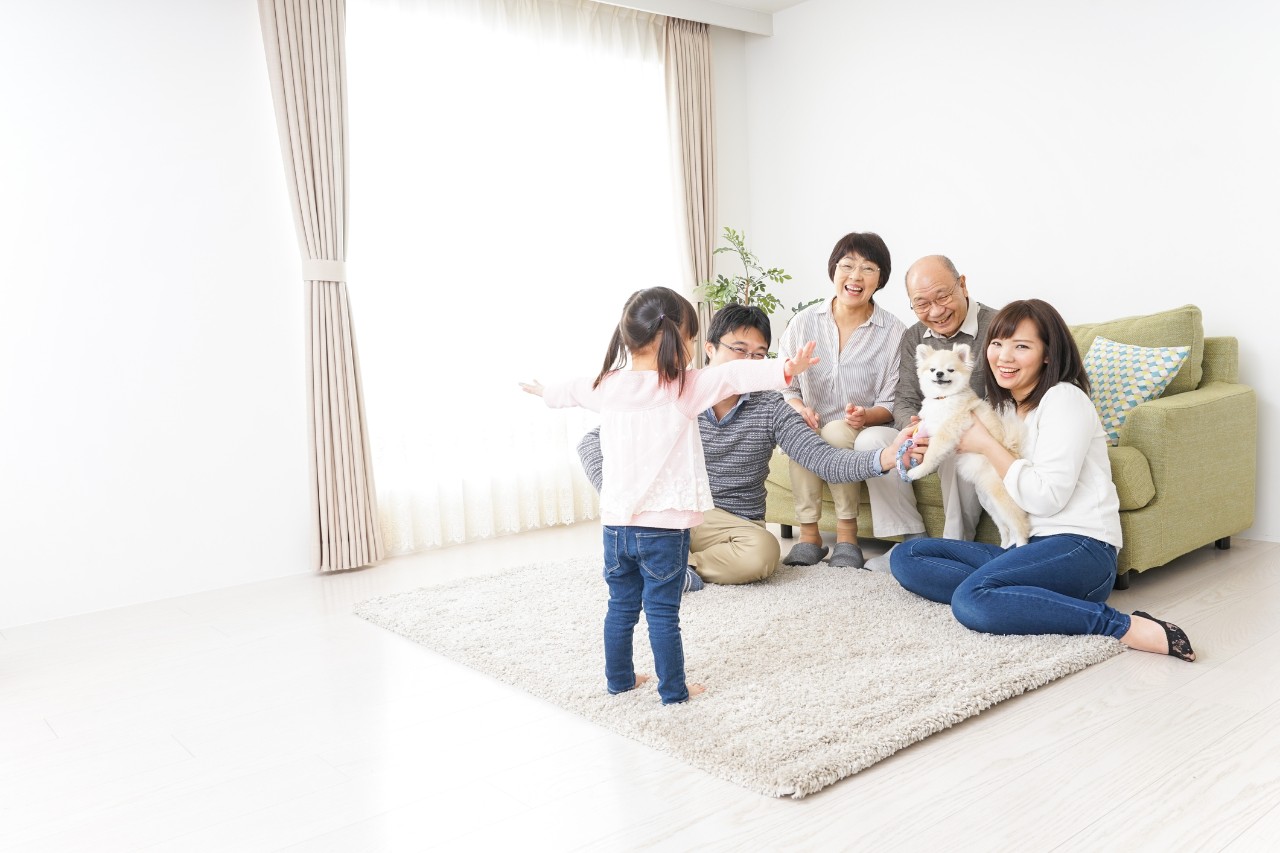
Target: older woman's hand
<point x="855" y="416"/>
<point x="809" y="415"/>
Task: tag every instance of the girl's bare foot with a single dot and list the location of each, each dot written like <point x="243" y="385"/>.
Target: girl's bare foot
<point x="696" y="689"/>
<point x="641" y="679"/>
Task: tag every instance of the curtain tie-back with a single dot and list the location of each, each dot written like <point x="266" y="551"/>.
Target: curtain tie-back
<point x="321" y="269"/>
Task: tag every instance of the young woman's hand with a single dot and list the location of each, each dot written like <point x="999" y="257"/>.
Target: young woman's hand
<point x="534" y="387"/>
<point x="976" y="439"/>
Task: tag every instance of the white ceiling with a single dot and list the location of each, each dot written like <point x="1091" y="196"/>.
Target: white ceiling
<point x="769" y="6"/>
<point x="751" y="16"/>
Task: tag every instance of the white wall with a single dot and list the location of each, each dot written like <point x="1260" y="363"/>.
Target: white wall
<point x="1110" y="157"/>
<point x="151" y="346"/>
<point x="728" y="78"/>
<point x="734" y="130"/>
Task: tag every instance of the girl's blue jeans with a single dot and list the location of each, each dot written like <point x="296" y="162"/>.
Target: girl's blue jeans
<point x="644" y="567"/>
<point x="1052" y="585"/>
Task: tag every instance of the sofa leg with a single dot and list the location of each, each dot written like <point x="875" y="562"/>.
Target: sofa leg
<point x="1223" y="544"/>
<point x="787" y="533"/>
<point x="1122" y="580"/>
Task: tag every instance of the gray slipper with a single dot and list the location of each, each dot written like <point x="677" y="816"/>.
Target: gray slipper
<point x="847" y="555"/>
<point x="804" y="554"/>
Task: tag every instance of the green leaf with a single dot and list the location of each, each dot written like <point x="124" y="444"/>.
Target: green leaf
<point x="750" y="288"/>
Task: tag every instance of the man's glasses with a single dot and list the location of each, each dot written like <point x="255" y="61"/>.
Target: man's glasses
<point x="743" y="352"/>
<point x="942" y="300"/>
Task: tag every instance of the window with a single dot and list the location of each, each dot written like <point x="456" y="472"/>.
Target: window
<point x="510" y="187"/>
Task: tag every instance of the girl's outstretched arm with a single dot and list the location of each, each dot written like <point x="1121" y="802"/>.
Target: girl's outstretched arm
<point x="534" y="387"/>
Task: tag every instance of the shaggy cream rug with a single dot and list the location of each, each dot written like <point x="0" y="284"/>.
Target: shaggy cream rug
<point x="811" y="676"/>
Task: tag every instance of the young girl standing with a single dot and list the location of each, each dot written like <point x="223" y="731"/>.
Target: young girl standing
<point x="1058" y="582"/>
<point x="655" y="480"/>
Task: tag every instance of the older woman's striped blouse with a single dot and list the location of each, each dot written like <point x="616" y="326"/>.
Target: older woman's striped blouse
<point x="865" y="373"/>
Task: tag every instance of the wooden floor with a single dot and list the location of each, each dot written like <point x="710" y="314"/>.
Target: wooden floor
<point x="267" y="717"/>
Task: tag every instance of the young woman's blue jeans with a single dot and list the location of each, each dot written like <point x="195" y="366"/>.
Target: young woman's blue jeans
<point x="1052" y="585"/>
<point x="645" y="566"/>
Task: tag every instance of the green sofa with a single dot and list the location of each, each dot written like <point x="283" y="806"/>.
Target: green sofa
<point x="1185" y="468"/>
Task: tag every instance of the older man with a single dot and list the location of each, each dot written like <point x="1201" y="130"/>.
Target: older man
<point x="946" y="316"/>
<point x="739" y="433"/>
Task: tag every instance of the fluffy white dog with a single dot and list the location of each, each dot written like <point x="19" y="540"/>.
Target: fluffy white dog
<point x="948" y="409"/>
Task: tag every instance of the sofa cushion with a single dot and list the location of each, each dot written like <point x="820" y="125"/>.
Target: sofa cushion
<point x="1131" y="473"/>
<point x="1122" y="375"/>
<point x="1173" y="328"/>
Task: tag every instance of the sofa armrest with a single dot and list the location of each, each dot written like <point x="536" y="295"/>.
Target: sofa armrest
<point x="1202" y="449"/>
<point x="1221" y="360"/>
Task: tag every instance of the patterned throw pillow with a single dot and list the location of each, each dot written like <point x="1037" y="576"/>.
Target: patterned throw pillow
<point x="1122" y="375"/>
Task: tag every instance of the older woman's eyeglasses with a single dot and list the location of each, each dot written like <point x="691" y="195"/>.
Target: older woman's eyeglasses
<point x="743" y="352"/>
<point x="864" y="269"/>
<point x="942" y="300"/>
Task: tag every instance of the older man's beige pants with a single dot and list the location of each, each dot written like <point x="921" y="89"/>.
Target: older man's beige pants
<point x="897" y="502"/>
<point x="729" y="549"/>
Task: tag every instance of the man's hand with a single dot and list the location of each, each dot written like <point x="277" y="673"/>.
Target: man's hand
<point x="913" y="454"/>
<point x="534" y="387"/>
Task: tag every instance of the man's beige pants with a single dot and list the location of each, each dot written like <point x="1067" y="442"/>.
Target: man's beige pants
<point x="728" y="549"/>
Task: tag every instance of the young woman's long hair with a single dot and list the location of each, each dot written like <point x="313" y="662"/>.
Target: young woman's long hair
<point x="648" y="312"/>
<point x="1062" y="357"/>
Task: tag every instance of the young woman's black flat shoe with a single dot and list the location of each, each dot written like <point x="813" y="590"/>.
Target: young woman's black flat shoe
<point x="1179" y="645"/>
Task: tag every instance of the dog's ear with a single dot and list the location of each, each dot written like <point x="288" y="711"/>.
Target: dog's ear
<point x="923" y="351"/>
<point x="962" y="352"/>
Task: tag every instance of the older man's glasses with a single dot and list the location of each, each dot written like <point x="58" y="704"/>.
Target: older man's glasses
<point x="743" y="352"/>
<point x="942" y="300"/>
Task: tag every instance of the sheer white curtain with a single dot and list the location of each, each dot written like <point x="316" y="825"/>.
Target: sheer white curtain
<point x="510" y="186"/>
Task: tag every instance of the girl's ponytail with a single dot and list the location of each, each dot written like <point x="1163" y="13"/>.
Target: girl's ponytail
<point x="647" y="313"/>
<point x="672" y="357"/>
<point x="614" y="359"/>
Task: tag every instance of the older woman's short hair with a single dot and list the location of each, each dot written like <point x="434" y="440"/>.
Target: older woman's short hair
<point x="868" y="245"/>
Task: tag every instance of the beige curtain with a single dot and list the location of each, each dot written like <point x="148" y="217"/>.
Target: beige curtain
<point x="687" y="60"/>
<point x="305" y="58"/>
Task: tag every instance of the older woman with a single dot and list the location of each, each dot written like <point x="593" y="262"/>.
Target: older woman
<point x="850" y="388"/>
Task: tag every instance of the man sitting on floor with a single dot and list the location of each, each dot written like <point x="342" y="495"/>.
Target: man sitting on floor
<point x="739" y="433"/>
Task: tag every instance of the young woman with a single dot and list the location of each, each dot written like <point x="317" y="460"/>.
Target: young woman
<point x="655" y="479"/>
<point x="1057" y="583"/>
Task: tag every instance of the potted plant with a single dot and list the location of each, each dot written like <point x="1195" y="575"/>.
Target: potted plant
<point x="750" y="288"/>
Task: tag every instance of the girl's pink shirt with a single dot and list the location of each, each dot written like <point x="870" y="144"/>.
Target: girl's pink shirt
<point x="654" y="472"/>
